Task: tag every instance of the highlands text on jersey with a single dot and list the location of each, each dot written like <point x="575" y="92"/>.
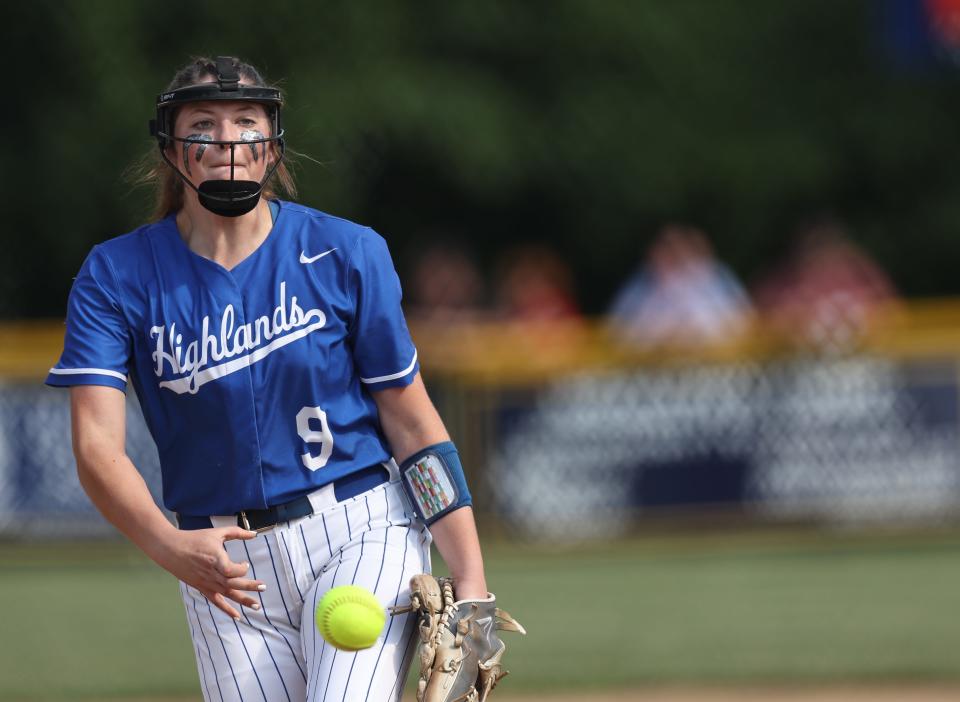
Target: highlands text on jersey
<point x="243" y="344"/>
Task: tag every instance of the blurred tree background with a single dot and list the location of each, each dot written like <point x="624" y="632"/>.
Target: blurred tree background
<point x="583" y="124"/>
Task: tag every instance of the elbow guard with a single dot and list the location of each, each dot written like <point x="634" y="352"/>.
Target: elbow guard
<point x="434" y="481"/>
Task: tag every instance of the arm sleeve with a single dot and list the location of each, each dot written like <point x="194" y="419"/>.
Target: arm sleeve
<point x="97" y="344"/>
<point x="383" y="351"/>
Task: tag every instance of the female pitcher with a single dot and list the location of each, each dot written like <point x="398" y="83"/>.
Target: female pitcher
<point x="267" y="347"/>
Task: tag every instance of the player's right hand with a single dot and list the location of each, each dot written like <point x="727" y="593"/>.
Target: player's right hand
<point x="199" y="559"/>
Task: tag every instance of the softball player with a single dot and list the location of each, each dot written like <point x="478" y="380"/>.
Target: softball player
<point x="268" y="350"/>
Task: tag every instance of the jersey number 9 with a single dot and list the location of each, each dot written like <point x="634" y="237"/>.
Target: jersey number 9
<point x="320" y="436"/>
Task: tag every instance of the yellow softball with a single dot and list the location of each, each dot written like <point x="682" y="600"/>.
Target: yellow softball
<point x="350" y="618"/>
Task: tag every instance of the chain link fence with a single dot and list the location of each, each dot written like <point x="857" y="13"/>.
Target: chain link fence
<point x="853" y="440"/>
<point x="40" y="495"/>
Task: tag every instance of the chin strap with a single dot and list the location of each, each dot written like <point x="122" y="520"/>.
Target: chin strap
<point x="229" y="198"/>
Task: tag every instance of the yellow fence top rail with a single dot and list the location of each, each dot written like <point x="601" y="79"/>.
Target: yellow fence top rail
<point x="509" y="353"/>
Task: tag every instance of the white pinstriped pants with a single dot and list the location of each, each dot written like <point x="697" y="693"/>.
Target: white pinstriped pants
<point x="277" y="654"/>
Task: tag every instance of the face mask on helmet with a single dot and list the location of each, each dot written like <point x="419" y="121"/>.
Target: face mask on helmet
<point x="230" y="197"/>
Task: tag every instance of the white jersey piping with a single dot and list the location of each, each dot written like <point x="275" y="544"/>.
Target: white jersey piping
<point x="88" y="371"/>
<point x="392" y="376"/>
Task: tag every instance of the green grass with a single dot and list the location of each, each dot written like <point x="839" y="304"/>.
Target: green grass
<point x="90" y="620"/>
<point x="794" y="607"/>
<point x="97" y="620"/>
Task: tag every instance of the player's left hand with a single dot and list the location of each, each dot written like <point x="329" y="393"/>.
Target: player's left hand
<point x="460" y="651"/>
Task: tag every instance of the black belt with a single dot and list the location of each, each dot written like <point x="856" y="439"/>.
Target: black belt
<point x="259" y="519"/>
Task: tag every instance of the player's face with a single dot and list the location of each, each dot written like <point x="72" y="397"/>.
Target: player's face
<point x="221" y="121"/>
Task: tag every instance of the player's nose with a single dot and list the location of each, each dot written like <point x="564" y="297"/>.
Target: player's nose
<point x="227" y="131"/>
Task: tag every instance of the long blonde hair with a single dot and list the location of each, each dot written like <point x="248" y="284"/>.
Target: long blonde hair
<point x="153" y="171"/>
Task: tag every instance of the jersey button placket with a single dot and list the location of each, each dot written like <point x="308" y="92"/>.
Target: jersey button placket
<point x="256" y="462"/>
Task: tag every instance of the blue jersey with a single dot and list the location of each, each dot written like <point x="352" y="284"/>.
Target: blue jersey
<point x="254" y="382"/>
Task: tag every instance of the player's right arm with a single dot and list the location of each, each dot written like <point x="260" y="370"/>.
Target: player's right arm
<point x="117" y="489"/>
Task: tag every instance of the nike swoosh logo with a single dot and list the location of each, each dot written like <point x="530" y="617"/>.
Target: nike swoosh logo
<point x="310" y="259"/>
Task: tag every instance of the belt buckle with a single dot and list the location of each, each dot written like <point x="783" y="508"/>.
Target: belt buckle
<point x="245" y="523"/>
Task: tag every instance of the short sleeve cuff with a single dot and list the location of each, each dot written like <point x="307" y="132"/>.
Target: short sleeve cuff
<point x="67" y="377"/>
<point x="399" y="379"/>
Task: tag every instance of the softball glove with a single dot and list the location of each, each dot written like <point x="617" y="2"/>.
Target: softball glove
<point x="459" y="648"/>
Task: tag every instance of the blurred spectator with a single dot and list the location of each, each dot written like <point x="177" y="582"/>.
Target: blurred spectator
<point x="535" y="285"/>
<point x="444" y="286"/>
<point x="828" y="291"/>
<point x="681" y="296"/>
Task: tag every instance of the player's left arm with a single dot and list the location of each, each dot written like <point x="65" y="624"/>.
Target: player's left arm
<point x="411" y="422"/>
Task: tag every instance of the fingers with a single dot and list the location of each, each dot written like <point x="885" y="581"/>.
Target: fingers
<point x="229" y="533"/>
<point x="229" y="569"/>
<point x="220" y="602"/>
<point x="244" y="599"/>
<point x="245" y="584"/>
<point x="231" y="576"/>
<point x="220" y="594"/>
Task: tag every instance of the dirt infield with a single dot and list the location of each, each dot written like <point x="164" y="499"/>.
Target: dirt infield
<point x="879" y="693"/>
<point x="772" y="693"/>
